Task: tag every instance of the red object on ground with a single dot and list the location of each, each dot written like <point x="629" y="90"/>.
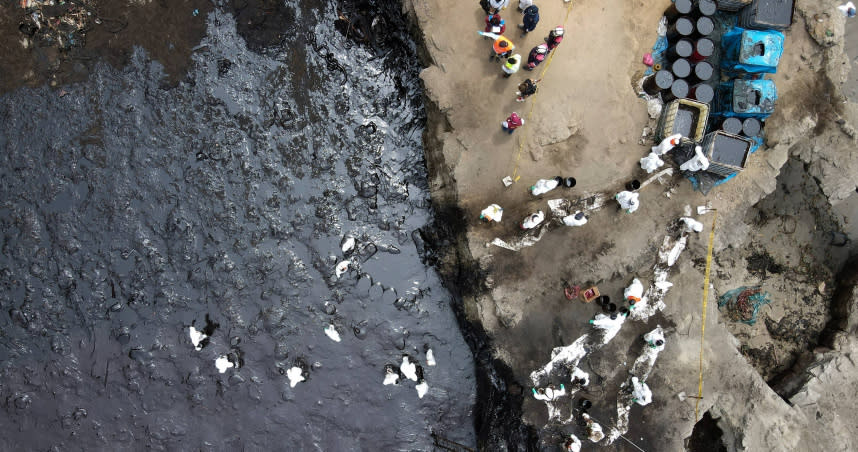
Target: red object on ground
<point x="647" y="59"/>
<point x="571" y="292"/>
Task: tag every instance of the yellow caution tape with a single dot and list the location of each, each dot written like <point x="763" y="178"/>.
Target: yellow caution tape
<point x="703" y="316"/>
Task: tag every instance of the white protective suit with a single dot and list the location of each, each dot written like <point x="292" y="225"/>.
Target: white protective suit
<point x="493" y="212"/>
<point x="533" y="220"/>
<point x="578" y="219"/>
<point x="667" y="144"/>
<point x="628" y="201"/>
<point x="543" y="186"/>
<point x="697" y="163"/>
<point x="651" y="163"/>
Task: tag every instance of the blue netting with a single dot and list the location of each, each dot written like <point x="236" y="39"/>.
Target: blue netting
<point x="742" y="304"/>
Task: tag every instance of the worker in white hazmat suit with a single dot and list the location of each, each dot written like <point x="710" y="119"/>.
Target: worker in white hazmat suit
<point x="641" y="393"/>
<point x="667" y="144"/>
<point x="549" y="394"/>
<point x="533" y="220"/>
<point x="543" y="186"/>
<point x="691" y="224"/>
<point x="634" y="292"/>
<point x="578" y="219"/>
<point x="655" y="339"/>
<point x="579" y="378"/>
<point x="491" y="213"/>
<point x="651" y="163"/>
<point x="628" y="201"/>
<point x="697" y="163"/>
<point x="594" y="430"/>
<point x="572" y="444"/>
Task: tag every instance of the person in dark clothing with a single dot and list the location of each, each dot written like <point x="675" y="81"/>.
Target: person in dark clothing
<point x="537" y="56"/>
<point x="485" y="5"/>
<point x="526" y="88"/>
<point x="531" y="18"/>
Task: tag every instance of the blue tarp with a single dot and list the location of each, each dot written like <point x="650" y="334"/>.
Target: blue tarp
<point x="746" y="99"/>
<point x="752" y="51"/>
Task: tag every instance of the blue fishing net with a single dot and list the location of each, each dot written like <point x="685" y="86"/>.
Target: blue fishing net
<point x="743" y="303"/>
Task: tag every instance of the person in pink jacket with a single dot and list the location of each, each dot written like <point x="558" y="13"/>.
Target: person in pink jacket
<point x="513" y="122"/>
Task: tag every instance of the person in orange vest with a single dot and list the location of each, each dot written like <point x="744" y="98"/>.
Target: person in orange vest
<point x="502" y="48"/>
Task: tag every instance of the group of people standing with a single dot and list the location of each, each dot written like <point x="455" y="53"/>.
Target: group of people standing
<point x="503" y="49"/>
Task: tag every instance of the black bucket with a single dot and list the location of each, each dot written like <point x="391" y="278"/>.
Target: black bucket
<point x="584" y="404"/>
<point x="570" y="182"/>
<point x="633" y="185"/>
<point x="559" y="180"/>
<point x="612" y="307"/>
<point x="658" y="82"/>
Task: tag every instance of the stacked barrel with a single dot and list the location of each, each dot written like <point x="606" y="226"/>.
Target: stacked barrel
<point x="686" y="69"/>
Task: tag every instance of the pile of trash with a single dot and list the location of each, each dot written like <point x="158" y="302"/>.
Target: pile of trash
<point x="57" y="23"/>
<point x="743" y="303"/>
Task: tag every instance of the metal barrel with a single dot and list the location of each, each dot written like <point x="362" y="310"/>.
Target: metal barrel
<point x="682" y="49"/>
<point x="658" y="82"/>
<point x="732" y="125"/>
<point x="678" y="90"/>
<point x="677" y="9"/>
<point x="703" y="48"/>
<point x="702" y="92"/>
<point x="702" y="71"/>
<point x="682" y="28"/>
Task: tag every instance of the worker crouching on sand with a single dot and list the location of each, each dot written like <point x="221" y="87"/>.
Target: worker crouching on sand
<point x="537" y="56"/>
<point x="578" y="219"/>
<point x="494" y="24"/>
<point x="628" y="201"/>
<point x="513" y="122"/>
<point x="533" y="220"/>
